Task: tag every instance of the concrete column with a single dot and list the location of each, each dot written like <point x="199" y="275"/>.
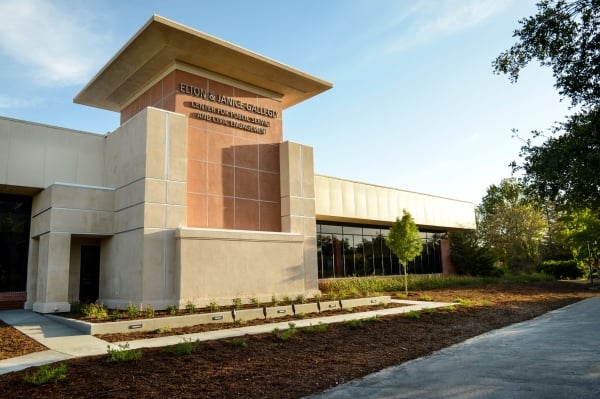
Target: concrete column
<point x="32" y="266"/>
<point x="53" y="273"/>
<point x="298" y="204"/>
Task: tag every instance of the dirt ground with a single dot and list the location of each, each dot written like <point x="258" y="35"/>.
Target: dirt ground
<point x="266" y="366"/>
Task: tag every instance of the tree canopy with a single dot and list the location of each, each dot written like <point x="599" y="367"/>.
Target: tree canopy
<point x="565" y="36"/>
<point x="404" y="241"/>
<point x="511" y="225"/>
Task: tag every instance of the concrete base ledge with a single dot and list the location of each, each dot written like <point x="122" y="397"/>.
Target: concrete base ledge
<point x="125" y="326"/>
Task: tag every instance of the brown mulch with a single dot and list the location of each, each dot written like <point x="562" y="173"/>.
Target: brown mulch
<point x="307" y="362"/>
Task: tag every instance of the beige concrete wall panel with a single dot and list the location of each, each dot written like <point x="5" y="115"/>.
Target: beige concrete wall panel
<point x="40" y="223"/>
<point x="135" y="193"/>
<point x="158" y="261"/>
<point x="129" y="218"/>
<point x="284" y="169"/>
<point x="156" y="191"/>
<point x="156" y="143"/>
<point x="74" y="270"/>
<point x="26" y="154"/>
<point x="308" y="207"/>
<point x="35" y="155"/>
<point x="32" y="273"/>
<point x="81" y="221"/>
<point x="41" y="201"/>
<point x="310" y="226"/>
<point x="311" y="277"/>
<point x="227" y="264"/>
<point x="176" y="193"/>
<point x="308" y="173"/>
<point x="121" y="268"/>
<point x="339" y="200"/>
<point x="154" y="215"/>
<point x="77" y="197"/>
<point x="176" y="216"/>
<point x="126" y="152"/>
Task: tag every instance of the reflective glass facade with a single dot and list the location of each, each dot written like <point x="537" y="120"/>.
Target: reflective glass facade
<point x="15" y="216"/>
<point x="346" y="250"/>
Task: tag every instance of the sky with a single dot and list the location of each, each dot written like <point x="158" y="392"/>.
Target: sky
<point x="415" y="104"/>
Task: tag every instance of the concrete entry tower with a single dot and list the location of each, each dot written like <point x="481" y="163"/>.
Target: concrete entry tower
<point x="199" y="198"/>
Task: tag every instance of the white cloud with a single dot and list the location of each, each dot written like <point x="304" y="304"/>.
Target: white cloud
<point x="51" y="40"/>
<point x="15" y="102"/>
<point x="436" y="19"/>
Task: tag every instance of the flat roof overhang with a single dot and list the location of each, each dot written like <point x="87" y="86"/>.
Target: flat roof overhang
<point x="161" y="43"/>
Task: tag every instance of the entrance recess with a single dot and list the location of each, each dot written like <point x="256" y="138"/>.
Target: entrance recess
<point x="89" y="277"/>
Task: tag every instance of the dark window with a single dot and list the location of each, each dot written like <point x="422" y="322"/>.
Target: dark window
<point x="15" y="217"/>
<point x="362" y="251"/>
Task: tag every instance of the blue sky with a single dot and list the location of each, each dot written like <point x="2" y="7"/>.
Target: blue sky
<point x="415" y="104"/>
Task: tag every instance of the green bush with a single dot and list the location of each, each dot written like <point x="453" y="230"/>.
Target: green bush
<point x="122" y="354"/>
<point x="562" y="269"/>
<point x="94" y="311"/>
<point x="46" y="374"/>
<point x="185" y="347"/>
<point x="471" y="258"/>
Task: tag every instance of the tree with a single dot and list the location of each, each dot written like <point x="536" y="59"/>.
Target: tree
<point x="511" y="225"/>
<point x="405" y="242"/>
<point x="563" y="35"/>
<point x="581" y="234"/>
<point x="470" y="257"/>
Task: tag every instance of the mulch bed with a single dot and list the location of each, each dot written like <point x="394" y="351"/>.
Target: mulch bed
<point x="307" y="362"/>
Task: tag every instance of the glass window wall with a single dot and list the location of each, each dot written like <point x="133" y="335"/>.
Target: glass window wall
<point x="346" y="250"/>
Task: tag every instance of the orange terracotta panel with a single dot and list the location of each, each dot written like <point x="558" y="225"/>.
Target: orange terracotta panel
<point x="169" y="84"/>
<point x="245" y="96"/>
<point x="196" y="177"/>
<point x="196" y="210"/>
<point x="220" y="180"/>
<point x="268" y="157"/>
<point x="270" y="216"/>
<point x="169" y="103"/>
<point x="221" y="212"/>
<point x="269" y="186"/>
<point x="246" y="153"/>
<point x="246" y="183"/>
<point x="220" y="88"/>
<point x="220" y="148"/>
<point x="197" y="148"/>
<point x="156" y="94"/>
<point x="246" y="214"/>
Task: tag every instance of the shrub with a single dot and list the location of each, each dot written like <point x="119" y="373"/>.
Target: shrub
<point x="94" y="311"/>
<point x="355" y="324"/>
<point x="237" y="303"/>
<point x="561" y="269"/>
<point x="171" y="310"/>
<point x="46" y="374"/>
<point x="240" y="343"/>
<point x="115" y="315"/>
<point x="471" y="258"/>
<point x="163" y="330"/>
<point x="148" y="312"/>
<point x="425" y="298"/>
<point x="190" y="307"/>
<point x="132" y="311"/>
<point x="255" y="302"/>
<point x="315" y="329"/>
<point x="300" y="298"/>
<point x="122" y="354"/>
<point x="185" y="347"/>
<point x="213" y="306"/>
<point x="284" y="335"/>
<point x="413" y="314"/>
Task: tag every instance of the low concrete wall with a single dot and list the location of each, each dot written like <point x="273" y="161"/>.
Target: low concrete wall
<point x="125" y="326"/>
<point x="217" y="265"/>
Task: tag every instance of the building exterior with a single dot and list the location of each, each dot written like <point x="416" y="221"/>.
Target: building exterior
<point x="196" y="196"/>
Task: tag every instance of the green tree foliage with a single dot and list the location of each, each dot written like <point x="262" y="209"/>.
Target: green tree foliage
<point x="565" y="36"/>
<point x="405" y="242"/>
<point x="470" y="257"/>
<point x="582" y="235"/>
<point x="511" y="225"/>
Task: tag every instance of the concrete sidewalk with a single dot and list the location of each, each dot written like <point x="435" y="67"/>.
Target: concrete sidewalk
<point x="556" y="355"/>
<point x="65" y="342"/>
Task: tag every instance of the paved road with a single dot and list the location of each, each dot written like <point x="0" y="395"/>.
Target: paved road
<point x="553" y="356"/>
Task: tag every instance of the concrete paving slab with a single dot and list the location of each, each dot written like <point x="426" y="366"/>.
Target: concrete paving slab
<point x="556" y="355"/>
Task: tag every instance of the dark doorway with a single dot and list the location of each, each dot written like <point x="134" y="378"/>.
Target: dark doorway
<point x="89" y="277"/>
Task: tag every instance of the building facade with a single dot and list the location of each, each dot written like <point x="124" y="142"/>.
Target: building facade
<point x="196" y="197"/>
